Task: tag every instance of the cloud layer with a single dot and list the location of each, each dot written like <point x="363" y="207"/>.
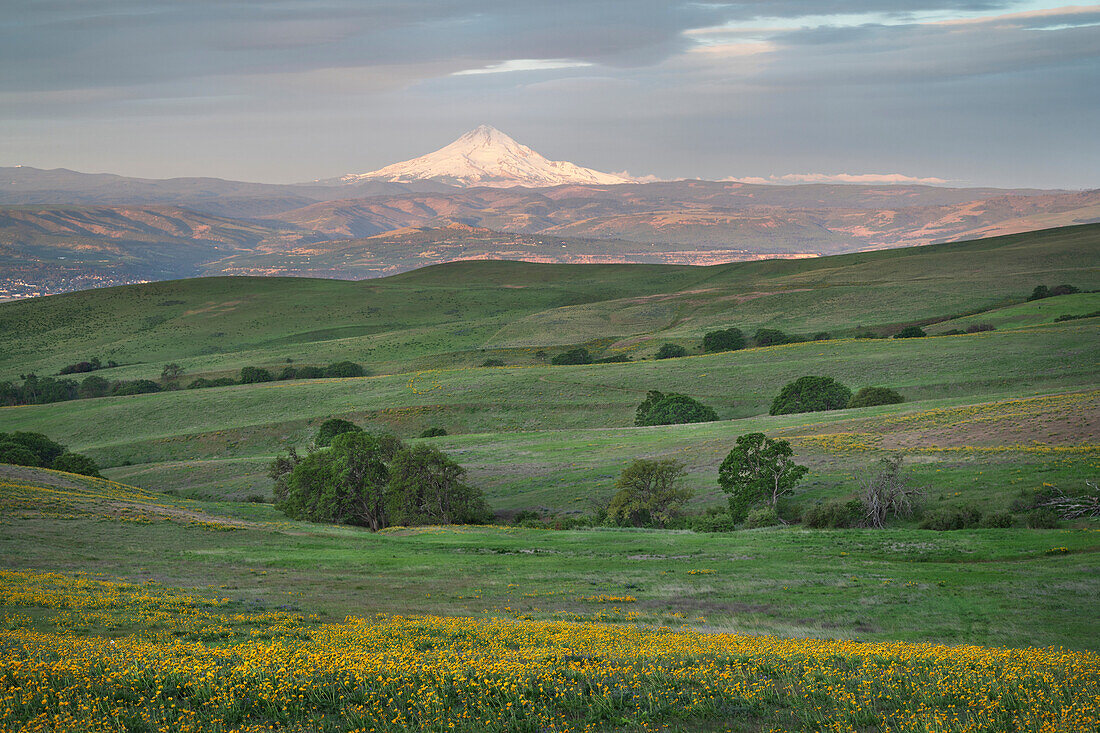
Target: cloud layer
<point x="972" y="91"/>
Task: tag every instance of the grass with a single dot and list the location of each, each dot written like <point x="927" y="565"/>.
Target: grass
<point x="173" y="605"/>
<point x="862" y="584"/>
<point x="249" y="419"/>
<point x="1031" y="313"/>
<point x="463" y="313"/>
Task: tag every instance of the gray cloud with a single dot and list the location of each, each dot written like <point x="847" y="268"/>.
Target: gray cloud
<point x="981" y="92"/>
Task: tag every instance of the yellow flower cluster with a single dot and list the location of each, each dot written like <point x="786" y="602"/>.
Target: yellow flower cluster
<point x="76" y="496"/>
<point x="609" y="599"/>
<point x="460" y="674"/>
<point x="83" y="603"/>
<point x="419" y="382"/>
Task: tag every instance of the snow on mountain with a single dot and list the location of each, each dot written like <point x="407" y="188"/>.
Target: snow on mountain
<point x="485" y="156"/>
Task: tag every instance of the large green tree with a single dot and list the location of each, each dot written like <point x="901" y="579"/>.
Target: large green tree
<point x="346" y="483"/>
<point x="759" y="470"/>
<point x="428" y="487"/>
<point x="650" y="493"/>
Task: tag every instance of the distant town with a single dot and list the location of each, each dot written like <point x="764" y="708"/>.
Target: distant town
<point x="19" y="288"/>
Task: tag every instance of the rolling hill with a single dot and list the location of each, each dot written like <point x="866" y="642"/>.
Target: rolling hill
<point x="462" y="313"/>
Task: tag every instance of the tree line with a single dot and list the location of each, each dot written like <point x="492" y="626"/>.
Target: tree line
<point x="35" y="390"/>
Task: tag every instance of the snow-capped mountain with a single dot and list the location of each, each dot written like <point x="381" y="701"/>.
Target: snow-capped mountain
<point x="485" y="156"/>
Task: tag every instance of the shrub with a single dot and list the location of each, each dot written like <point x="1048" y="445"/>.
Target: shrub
<point x="526" y="515"/>
<point x="762" y="517"/>
<point x="910" y="332"/>
<point x="135" y="386"/>
<point x="613" y="359"/>
<point x="76" y="463"/>
<point x="433" y="432"/>
<point x="672" y="409"/>
<point x="980" y="327"/>
<point x="1077" y="316"/>
<point x="714" y="522"/>
<point x="1040" y="292"/>
<point x="310" y="372"/>
<point x="821" y="336"/>
<point x="256" y="499"/>
<point x="287" y="373"/>
<point x="729" y="339"/>
<point x="254" y="375"/>
<point x="946" y="519"/>
<point x="344" y="370"/>
<point x="811" y="394"/>
<point x="831" y="515"/>
<point x="1063" y="290"/>
<point x="171" y="372"/>
<point x="80" y="367"/>
<point x="997" y="520"/>
<point x="574" y="356"/>
<point x="331" y="428"/>
<point x="870" y="396"/>
<point x="1042" y="518"/>
<point x="671" y="351"/>
<point x="771" y="337"/>
<point x="493" y="363"/>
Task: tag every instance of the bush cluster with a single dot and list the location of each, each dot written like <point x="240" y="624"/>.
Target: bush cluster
<point x="1042" y="291"/>
<point x="871" y="396"/>
<point x="833" y="515"/>
<point x="671" y="351"/>
<point x="952" y="518"/>
<point x="36" y="449"/>
<point x="811" y="394"/>
<point x="910" y="332"/>
<point x="83" y="367"/>
<point x="729" y="339"/>
<point x="573" y="356"/>
<point x="672" y="409"/>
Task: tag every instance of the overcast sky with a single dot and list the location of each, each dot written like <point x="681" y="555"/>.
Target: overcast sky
<point x="971" y="92"/>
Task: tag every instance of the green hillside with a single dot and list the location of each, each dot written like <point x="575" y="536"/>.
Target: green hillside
<point x="458" y="314"/>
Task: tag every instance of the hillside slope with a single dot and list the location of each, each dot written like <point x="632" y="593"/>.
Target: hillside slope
<point x="449" y="314"/>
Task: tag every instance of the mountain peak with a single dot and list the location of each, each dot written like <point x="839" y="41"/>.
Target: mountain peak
<point x="485" y="156"/>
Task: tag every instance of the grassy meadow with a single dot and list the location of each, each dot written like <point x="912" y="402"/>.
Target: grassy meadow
<point x="462" y="313"/>
<point x="172" y="596"/>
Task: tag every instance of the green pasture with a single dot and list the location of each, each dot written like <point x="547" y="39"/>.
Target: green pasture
<point x="459" y="314"/>
<point x="952" y="587"/>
